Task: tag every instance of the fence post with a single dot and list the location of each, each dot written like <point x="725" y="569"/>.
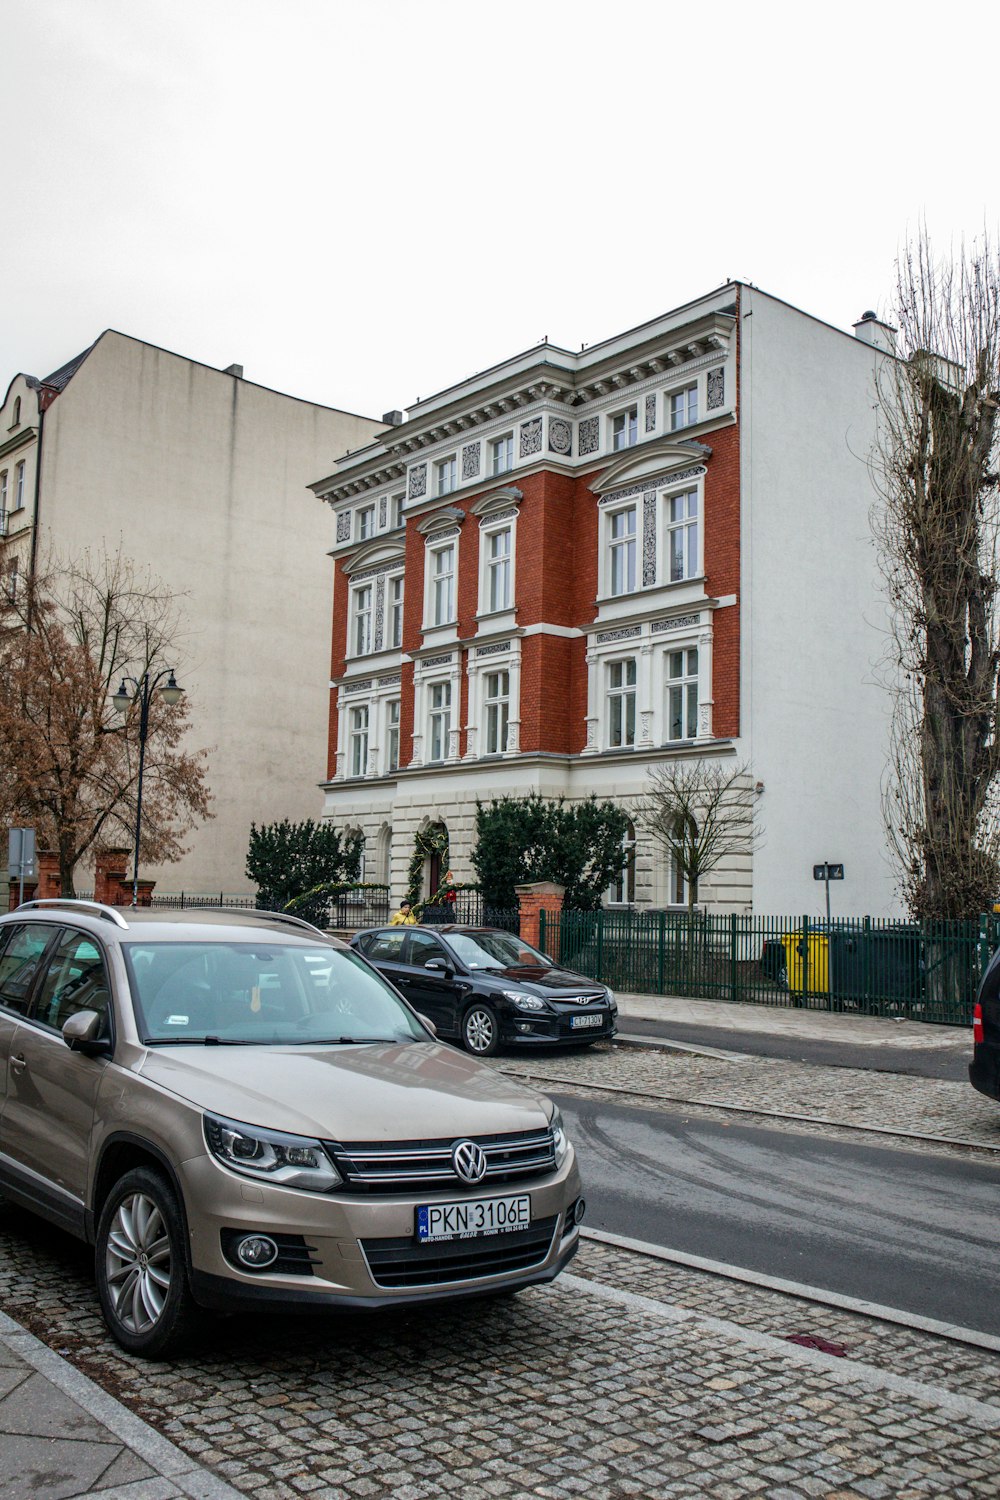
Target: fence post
<point x="600" y="945"/>
<point x="661" y="936"/>
<point x="805" y="958"/>
<point x="543" y="918"/>
<point x="732" y="956"/>
<point x="984" y="944"/>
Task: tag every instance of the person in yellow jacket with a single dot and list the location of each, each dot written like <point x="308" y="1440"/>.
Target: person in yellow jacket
<point x="404" y="917"/>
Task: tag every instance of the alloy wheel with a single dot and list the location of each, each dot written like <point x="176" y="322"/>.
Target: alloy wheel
<point x="480" y="1031"/>
<point x="138" y="1263"/>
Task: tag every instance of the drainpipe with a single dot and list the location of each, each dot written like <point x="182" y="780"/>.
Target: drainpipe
<point x="46" y="396"/>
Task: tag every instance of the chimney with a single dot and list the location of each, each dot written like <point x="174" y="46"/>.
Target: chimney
<point x="392" y="418"/>
<point x="871" y="330"/>
<point x="236" y="370"/>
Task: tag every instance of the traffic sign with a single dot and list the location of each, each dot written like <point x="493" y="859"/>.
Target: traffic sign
<point x="828" y="872"/>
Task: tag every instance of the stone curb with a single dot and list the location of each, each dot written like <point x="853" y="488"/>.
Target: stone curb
<point x="186" y="1476"/>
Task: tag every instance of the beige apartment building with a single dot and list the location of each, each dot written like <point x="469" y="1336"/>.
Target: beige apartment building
<point x="202" y="476"/>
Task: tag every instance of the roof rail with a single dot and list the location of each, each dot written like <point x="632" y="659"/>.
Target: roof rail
<point x="284" y="918"/>
<point x="72" y="903"/>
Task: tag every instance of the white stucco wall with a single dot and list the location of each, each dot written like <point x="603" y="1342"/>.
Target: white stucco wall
<point x="814" y="719"/>
<point x="203" y="476"/>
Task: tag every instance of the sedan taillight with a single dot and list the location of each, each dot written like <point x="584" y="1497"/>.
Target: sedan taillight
<point x="977" y="1024"/>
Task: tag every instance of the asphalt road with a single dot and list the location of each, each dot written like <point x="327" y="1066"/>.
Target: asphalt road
<point x="910" y="1230"/>
<point x="918" y="1062"/>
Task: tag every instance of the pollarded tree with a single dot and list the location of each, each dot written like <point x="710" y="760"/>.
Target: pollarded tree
<point x="68" y="761"/>
<point x="936" y="526"/>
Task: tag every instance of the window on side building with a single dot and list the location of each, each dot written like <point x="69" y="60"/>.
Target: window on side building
<point x="361" y="620"/>
<point x="496" y="701"/>
<point x="442" y="564"/>
<point x="622" y="550"/>
<point x="683" y="407"/>
<point x="682" y="694"/>
<point x="682" y="536"/>
<point x="447" y="475"/>
<point x="359" y="740"/>
<point x="621" y="702"/>
<point x="395" y="631"/>
<point x="502" y="454"/>
<point x="439" y="726"/>
<point x="392" y="735"/>
<point x="625" y="429"/>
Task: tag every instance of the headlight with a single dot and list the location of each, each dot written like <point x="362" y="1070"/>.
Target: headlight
<point x="612" y="1002"/>
<point x="558" y="1136"/>
<point x="291" y="1160"/>
<point x="522" y="1001"/>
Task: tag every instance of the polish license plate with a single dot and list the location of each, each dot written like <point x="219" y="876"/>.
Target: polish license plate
<point x="472" y="1218"/>
<point x="579" y="1022"/>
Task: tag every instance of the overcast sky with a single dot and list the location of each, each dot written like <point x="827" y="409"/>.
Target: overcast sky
<point x="364" y="202"/>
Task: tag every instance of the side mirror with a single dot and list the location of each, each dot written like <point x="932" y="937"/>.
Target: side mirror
<point x="440" y="966"/>
<point x="82" y="1032"/>
<point x="428" y="1023"/>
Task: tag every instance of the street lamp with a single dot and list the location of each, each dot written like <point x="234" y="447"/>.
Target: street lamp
<point x="145" y="687"/>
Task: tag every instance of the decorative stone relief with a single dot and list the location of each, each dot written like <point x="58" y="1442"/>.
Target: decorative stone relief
<point x="361" y="685"/>
<point x="646" y="725"/>
<point x="493" y="650"/>
<point x="705" y="720"/>
<point x="649" y="538"/>
<point x="651" y="412"/>
<point x="470" y="460"/>
<point x="344" y="526"/>
<point x="716" y="388"/>
<point x="626" y="633"/>
<point x="531" y="437"/>
<point x="671" y="477"/>
<point x="383" y="511"/>
<point x="392" y="680"/>
<point x="591" y="733"/>
<point x="453" y="744"/>
<point x="589" y="435"/>
<point x="418" y="482"/>
<point x="560" y="436"/>
<point x="379" y="610"/>
<point x="438" y="661"/>
<point x="379" y="572"/>
<point x="679" y="622"/>
<point x="499" y="515"/>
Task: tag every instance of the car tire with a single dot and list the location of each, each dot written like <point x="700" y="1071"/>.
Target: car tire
<point x="480" y="1030"/>
<point x="142" y="1278"/>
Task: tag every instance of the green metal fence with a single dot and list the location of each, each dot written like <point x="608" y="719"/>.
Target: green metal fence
<point x="866" y="965"/>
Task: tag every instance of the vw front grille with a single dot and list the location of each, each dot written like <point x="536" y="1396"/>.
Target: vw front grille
<point x="400" y="1166"/>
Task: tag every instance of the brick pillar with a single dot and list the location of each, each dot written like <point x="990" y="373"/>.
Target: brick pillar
<point x="109" y="876"/>
<point x="531" y="899"/>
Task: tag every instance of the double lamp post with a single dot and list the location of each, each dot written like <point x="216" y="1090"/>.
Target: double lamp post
<point x="145" y="686"/>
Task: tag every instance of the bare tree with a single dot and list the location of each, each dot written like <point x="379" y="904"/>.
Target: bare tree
<point x="936" y="528"/>
<point x="68" y="762"/>
<point x="700" y="813"/>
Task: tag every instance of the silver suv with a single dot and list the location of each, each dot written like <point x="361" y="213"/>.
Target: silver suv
<point x="239" y="1112"/>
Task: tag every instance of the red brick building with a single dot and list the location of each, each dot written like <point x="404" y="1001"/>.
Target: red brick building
<point x="542" y="575"/>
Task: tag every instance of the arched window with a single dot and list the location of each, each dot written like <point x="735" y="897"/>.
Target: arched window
<point x="17" y="411"/>
<point x="383" y="857"/>
<point x="623" y="889"/>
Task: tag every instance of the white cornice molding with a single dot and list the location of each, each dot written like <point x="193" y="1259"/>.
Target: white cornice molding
<point x="447" y="517"/>
<point x="380" y="554"/>
<point x="499" y="499"/>
<point x="646" y="460"/>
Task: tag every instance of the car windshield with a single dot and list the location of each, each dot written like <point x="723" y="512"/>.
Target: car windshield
<point x="496" y="950"/>
<point x="244" y="993"/>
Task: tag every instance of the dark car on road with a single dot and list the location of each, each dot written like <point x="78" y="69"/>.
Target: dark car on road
<point x="984" y="1069"/>
<point x="485" y="987"/>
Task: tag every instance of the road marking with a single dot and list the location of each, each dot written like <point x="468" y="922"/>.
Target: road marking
<point x="800" y="1289"/>
<point x="844" y="1371"/>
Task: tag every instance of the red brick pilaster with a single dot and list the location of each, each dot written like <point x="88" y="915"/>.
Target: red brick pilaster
<point x="540" y="895"/>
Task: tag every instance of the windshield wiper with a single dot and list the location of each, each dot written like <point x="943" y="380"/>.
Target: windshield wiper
<point x="195" y="1041"/>
<point x="363" y="1041"/>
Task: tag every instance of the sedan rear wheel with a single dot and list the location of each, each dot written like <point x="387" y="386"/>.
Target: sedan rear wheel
<point x="141" y="1271"/>
<point x="480" y="1032"/>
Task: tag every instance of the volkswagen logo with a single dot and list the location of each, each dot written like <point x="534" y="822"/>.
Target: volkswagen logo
<point x="469" y="1161"/>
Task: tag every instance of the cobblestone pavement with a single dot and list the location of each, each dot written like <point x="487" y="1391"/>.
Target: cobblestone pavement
<point x="629" y="1377"/>
<point x="843" y="1096"/>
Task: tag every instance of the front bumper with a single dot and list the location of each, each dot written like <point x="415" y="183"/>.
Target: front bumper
<point x="529" y="1028"/>
<point x="350" y="1237"/>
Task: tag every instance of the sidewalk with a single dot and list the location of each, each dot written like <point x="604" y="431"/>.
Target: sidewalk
<point x="816" y="1025"/>
<point x="62" y="1436"/>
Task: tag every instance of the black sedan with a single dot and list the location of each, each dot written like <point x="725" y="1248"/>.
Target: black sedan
<point x="984" y="1069"/>
<point x="484" y="987"/>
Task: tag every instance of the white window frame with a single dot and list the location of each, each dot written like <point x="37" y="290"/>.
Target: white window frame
<point x="624" y="429"/>
<point x="439" y="718"/>
<point x="3" y="491"/>
<point x="397" y="502"/>
<point x="620" y="702"/>
<point x="496" y="711"/>
<point x="621" y="891"/>
<point x="19" y="486"/>
<point x="358" y="723"/>
<point x="393" y="710"/>
<point x="683" y="686"/>
<point x="394" y="611"/>
<point x="502" y="454"/>
<point x="441" y="585"/>
<point x="366" y="522"/>
<point x="690" y="520"/>
<point x="682" y="407"/>
<point x="12" y="579"/>
<point x="626" y="545"/>
<point x="677" y="886"/>
<point x="362" y="619"/>
<point x="496" y="566"/>
<point x="446" y="475"/>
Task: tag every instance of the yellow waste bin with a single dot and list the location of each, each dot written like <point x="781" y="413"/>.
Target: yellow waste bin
<point x="818" y="976"/>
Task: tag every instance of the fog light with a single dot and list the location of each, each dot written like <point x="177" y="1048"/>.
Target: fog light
<point x="579" y="1209"/>
<point x="523" y="1025"/>
<point x="256" y="1251"/>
